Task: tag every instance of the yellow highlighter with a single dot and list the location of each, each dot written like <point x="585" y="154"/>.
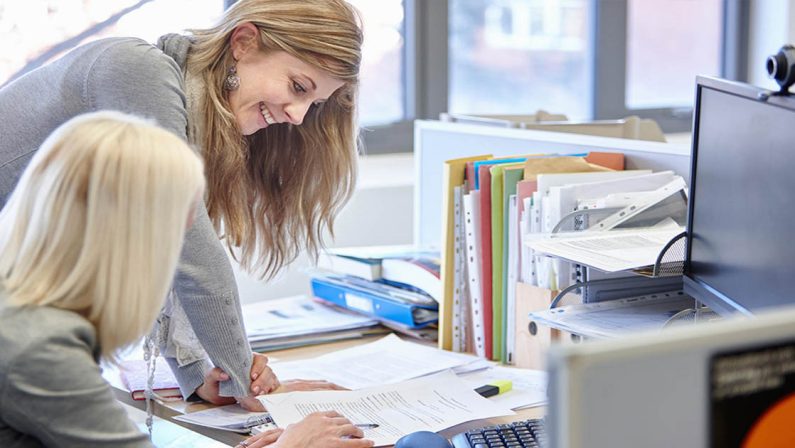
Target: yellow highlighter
<point x="495" y="388"/>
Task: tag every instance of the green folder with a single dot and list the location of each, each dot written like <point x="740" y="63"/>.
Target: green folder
<point x="498" y="235"/>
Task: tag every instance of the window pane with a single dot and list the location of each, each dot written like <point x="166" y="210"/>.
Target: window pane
<point x="36" y="31"/>
<point x="668" y="44"/>
<point x="518" y="56"/>
<point x="382" y="90"/>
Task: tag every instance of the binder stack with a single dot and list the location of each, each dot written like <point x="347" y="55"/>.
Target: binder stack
<point x="397" y="285"/>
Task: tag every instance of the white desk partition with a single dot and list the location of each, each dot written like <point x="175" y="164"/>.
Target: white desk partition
<point x="436" y="141"/>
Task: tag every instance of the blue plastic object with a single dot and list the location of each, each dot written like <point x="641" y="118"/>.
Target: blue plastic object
<point x="422" y="439"/>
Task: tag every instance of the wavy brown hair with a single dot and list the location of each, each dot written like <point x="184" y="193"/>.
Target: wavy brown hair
<point x="274" y="193"/>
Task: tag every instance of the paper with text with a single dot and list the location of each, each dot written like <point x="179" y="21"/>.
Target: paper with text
<point x="388" y="360"/>
<point x="431" y="403"/>
<point x="612" y="251"/>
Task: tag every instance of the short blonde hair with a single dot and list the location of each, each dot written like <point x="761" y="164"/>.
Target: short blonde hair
<point x="97" y="221"/>
<point x="275" y="192"/>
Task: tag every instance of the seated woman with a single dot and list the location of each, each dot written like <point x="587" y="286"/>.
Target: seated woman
<point x="89" y="243"/>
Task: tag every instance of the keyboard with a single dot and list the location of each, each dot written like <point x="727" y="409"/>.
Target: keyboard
<point x="526" y="433"/>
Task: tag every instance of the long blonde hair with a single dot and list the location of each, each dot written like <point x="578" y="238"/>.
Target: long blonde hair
<point x="96" y="223"/>
<point x="275" y="192"/>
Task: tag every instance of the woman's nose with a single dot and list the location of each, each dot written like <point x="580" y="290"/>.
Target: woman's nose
<point x="296" y="111"/>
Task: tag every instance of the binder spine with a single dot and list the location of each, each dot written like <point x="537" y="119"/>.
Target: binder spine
<point x="411" y="316"/>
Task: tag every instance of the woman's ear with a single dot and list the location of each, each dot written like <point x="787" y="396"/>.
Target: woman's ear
<point x="245" y="37"/>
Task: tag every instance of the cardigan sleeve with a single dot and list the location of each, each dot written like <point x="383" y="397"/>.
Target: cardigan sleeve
<point x="54" y="392"/>
<point x="138" y="78"/>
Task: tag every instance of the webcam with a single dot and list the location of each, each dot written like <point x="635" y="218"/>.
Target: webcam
<point x="781" y="67"/>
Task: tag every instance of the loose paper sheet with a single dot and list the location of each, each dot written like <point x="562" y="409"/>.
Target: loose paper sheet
<point x="388" y="360"/>
<point x="529" y="387"/>
<point x="614" y="318"/>
<point x="430" y="403"/>
<point x="612" y="251"/>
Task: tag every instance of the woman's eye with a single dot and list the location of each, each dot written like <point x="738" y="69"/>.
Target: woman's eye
<point x="298" y="87"/>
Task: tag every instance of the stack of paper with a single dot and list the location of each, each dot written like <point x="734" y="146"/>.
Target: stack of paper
<point x="388" y="360"/>
<point x="298" y="321"/>
<point x="617" y="250"/>
<point x="618" y="317"/>
<point x="228" y="418"/>
<point x="431" y="403"/>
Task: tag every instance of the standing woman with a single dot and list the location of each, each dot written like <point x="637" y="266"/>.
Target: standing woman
<point x="89" y="241"/>
<point x="268" y="98"/>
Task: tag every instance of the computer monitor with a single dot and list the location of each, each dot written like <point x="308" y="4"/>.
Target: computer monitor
<point x="741" y="219"/>
<point x="725" y="384"/>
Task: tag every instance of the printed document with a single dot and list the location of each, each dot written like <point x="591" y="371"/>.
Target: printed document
<point x="388" y="360"/>
<point x="612" y="251"/>
<point x="613" y="318"/>
<point x="431" y="403"/>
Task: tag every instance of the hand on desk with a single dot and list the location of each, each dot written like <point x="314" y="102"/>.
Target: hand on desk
<point x="305" y="385"/>
<point x="263" y="381"/>
<point x="320" y="429"/>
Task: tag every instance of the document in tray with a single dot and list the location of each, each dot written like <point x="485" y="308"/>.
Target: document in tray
<point x="431" y="403"/>
<point x="388" y="360"/>
<point x="612" y="251"/>
<point x="613" y="318"/>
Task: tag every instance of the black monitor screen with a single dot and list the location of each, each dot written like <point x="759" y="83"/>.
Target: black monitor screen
<point x="741" y="224"/>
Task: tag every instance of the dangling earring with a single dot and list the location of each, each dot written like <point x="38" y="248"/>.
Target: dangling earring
<point x="232" y="81"/>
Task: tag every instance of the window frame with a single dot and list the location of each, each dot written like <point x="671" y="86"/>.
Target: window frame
<point x="426" y="69"/>
<point x="610" y="62"/>
<point x="425" y="76"/>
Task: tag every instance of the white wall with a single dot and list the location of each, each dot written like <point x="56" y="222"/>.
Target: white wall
<point x="379" y="213"/>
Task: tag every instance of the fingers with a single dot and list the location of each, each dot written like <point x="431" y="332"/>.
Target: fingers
<point x="251" y="404"/>
<point x="350" y="430"/>
<point x="263" y="379"/>
<point x="356" y="443"/>
<point x="266" y="382"/>
<point x="259" y="363"/>
<point x="304" y="385"/>
<point x="264" y="439"/>
<point x="216" y="375"/>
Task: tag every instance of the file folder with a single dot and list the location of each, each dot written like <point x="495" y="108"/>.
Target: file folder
<point x="374" y="303"/>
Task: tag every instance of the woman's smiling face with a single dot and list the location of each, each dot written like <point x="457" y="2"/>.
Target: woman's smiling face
<point x="275" y="87"/>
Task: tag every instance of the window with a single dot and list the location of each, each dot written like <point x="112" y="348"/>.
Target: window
<point x="649" y="53"/>
<point x="518" y="56"/>
<point x="586" y="59"/>
<point x="382" y="89"/>
<point x="659" y="73"/>
<point x="37" y="31"/>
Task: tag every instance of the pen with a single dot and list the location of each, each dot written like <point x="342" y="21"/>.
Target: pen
<point x="367" y="425"/>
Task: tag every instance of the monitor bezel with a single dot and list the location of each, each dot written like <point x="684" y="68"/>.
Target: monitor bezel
<point x="694" y="287"/>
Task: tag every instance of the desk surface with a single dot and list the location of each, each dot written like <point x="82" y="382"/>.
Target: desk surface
<point x="170" y="409"/>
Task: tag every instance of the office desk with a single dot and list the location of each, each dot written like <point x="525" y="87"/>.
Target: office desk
<point x="168" y="410"/>
<point x="166" y="433"/>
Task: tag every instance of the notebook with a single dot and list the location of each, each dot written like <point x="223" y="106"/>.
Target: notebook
<point x="133" y="375"/>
